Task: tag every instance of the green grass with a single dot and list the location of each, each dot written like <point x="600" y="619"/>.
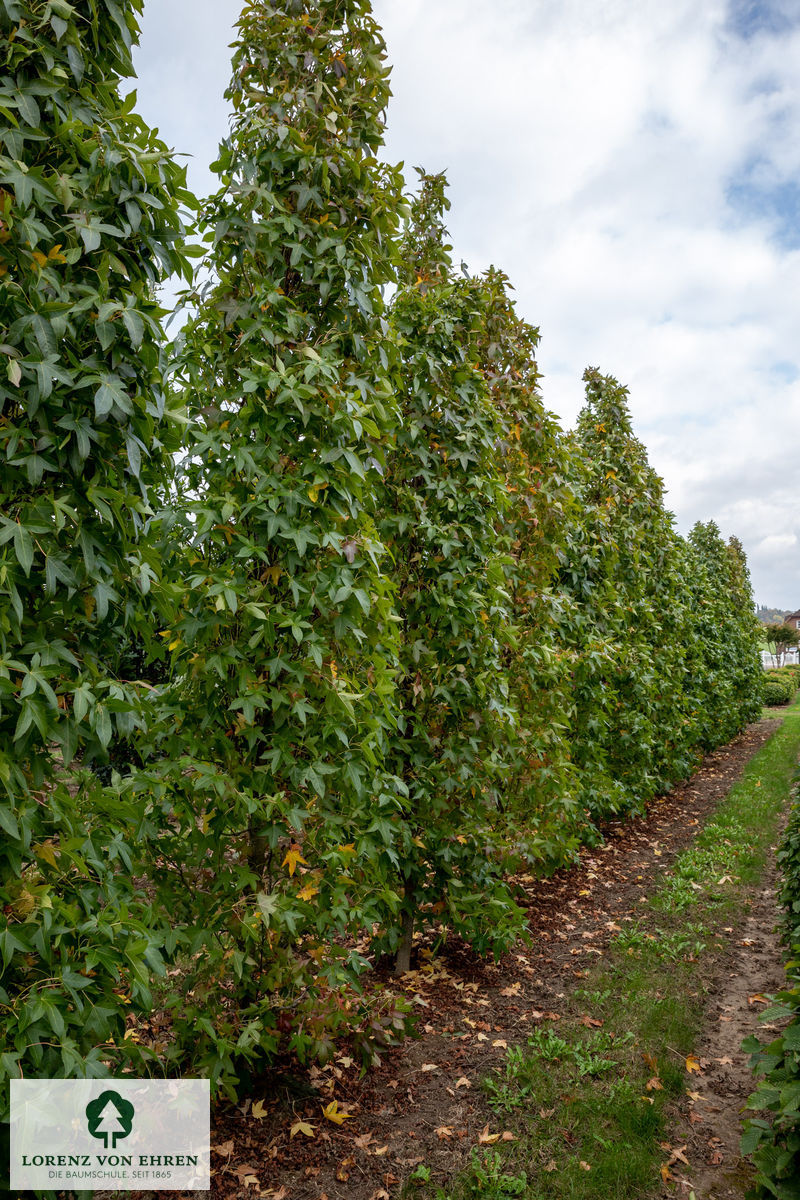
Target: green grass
<point x="579" y="1097"/>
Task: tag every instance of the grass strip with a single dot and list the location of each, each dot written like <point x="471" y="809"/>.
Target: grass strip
<point x="588" y="1102"/>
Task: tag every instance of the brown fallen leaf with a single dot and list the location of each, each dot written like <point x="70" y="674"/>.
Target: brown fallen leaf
<point x="551" y="1166"/>
<point x="665" y="1172"/>
<point x="225" y="1149"/>
<point x="429" y="1067"/>
<point x="654" y="1085"/>
<point x="246" y="1171"/>
<point x="487" y="1139"/>
<point x="715" y="1158"/>
<point x="363" y="1141"/>
<point x="381" y="1194"/>
<point x="343" y="1170"/>
<point x="444" y="1132"/>
<point x="500" y="1044"/>
<point x="677" y="1155"/>
<point x="380" y="1150"/>
<point x="463" y="1082"/>
<point x="725" y="1062"/>
<point x="584" y="1166"/>
<point x="258" y="1111"/>
<point x="591" y="1023"/>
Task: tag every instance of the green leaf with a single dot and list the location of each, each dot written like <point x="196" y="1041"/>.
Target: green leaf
<point x="23" y="548"/>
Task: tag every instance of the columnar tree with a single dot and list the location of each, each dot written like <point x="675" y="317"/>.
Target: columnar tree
<point x="730" y="673"/>
<point x="538" y="795"/>
<point x="274" y="804"/>
<point x="89" y="226"/>
<point x="623" y="578"/>
<point x="443" y="493"/>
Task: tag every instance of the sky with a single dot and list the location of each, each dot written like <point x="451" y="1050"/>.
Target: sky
<point x="635" y="171"/>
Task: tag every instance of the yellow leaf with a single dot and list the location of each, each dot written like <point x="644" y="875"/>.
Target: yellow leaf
<point x="55" y="254"/>
<point x="174" y="644"/>
<point x="274" y="574"/>
<point x="332" y="1113"/>
<point x="40" y="258"/>
<point x="692" y="1064"/>
<point x="313" y="494"/>
<point x="45" y="850"/>
<point x="307" y="892"/>
<point x="418" y="842"/>
<point x="293" y="857"/>
<point x="485" y="1138"/>
<point x="302" y="1127"/>
<point x="258" y="1111"/>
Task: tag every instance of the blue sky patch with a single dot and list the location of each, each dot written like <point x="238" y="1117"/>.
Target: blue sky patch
<point x="749" y="18"/>
<point x="754" y="197"/>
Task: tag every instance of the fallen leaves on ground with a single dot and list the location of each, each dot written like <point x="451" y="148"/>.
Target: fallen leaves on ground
<point x="333" y="1113"/>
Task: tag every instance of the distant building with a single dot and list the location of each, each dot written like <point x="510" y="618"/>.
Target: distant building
<point x="793" y="620"/>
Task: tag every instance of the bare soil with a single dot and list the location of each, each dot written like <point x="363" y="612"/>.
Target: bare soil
<point x="424" y="1104"/>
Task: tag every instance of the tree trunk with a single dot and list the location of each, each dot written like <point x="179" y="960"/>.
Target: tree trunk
<point x="403" y="959"/>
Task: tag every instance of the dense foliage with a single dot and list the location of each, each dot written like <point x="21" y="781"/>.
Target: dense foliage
<point x="416" y="635"/>
<point x="442" y="491"/>
<point x="89" y="226"/>
<point x="274" y="804"/>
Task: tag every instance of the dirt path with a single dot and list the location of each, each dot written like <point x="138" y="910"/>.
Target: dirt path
<point x="711" y="1127"/>
<point x="423" y="1104"/>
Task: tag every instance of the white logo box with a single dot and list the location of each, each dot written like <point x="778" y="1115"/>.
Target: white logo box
<point x="110" y="1134"/>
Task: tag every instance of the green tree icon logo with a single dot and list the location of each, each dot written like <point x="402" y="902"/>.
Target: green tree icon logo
<point x="109" y="1116"/>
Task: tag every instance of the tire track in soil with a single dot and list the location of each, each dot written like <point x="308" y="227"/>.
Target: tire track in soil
<point x="710" y="1126"/>
<point x="423" y="1103"/>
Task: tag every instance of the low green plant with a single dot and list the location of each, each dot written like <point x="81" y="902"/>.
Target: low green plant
<point x="487" y="1179"/>
<point x="778" y="688"/>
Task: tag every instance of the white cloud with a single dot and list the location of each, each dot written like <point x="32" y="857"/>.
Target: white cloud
<point x="622" y="163"/>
